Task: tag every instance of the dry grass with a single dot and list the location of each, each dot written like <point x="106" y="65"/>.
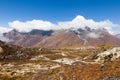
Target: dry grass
<point x="65" y="72"/>
<point x="82" y="72"/>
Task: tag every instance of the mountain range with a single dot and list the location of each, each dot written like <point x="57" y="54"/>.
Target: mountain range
<point x="62" y="38"/>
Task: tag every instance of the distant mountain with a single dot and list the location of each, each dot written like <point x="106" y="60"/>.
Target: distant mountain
<point x="79" y="37"/>
<point x="62" y="38"/>
<point x="39" y="32"/>
<point x="23" y="39"/>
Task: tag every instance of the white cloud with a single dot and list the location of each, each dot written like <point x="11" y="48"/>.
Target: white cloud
<point x="80" y="21"/>
<point x="2" y="38"/>
<point x="3" y="30"/>
<point x="29" y="25"/>
<point x="77" y="22"/>
<point x="93" y="35"/>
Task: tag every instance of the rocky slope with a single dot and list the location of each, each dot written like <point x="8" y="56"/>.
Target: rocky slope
<point x="12" y="52"/>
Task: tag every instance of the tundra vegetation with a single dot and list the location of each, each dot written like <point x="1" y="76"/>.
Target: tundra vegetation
<point x="69" y="63"/>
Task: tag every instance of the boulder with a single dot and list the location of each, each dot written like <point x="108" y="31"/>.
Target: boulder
<point x="1" y="50"/>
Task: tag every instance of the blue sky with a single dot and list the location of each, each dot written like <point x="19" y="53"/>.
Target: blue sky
<point x="58" y="10"/>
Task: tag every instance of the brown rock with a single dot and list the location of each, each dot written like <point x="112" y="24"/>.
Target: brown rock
<point x="1" y="50"/>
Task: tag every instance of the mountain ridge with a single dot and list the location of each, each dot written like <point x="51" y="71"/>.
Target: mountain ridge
<point x="62" y="37"/>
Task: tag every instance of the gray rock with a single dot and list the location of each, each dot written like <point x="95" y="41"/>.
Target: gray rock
<point x="111" y="78"/>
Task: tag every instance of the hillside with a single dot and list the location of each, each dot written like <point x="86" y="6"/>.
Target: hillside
<point x="18" y="63"/>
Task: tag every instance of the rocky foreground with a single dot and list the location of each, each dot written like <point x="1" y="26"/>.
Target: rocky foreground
<point x="78" y="63"/>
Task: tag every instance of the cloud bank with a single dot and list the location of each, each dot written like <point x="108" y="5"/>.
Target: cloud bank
<point x="78" y="22"/>
<point x="94" y="35"/>
<point x="3" y="30"/>
<point x="29" y="25"/>
<point x="2" y="38"/>
<point x="81" y="22"/>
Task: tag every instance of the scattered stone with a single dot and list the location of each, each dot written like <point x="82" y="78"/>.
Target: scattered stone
<point x="78" y="63"/>
<point x="103" y="66"/>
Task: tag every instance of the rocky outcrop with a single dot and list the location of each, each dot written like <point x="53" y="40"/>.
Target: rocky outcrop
<point x="109" y="55"/>
<point x="13" y="52"/>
